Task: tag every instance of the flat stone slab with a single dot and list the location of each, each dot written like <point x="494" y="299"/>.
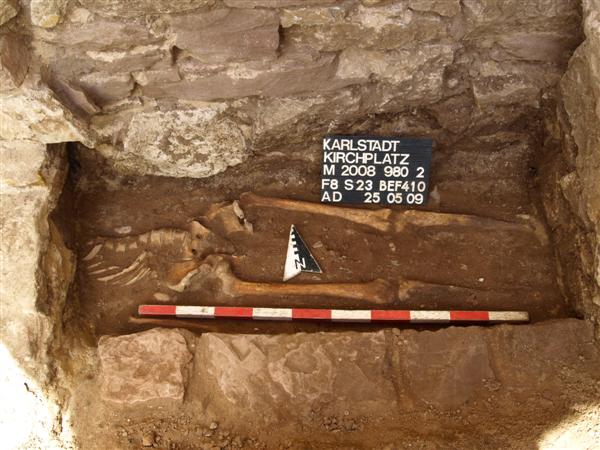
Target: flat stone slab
<point x="283" y="376"/>
<point x="142" y="367"/>
<point x="396" y="373"/>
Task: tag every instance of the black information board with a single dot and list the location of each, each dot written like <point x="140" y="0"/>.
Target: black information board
<point x="373" y="169"/>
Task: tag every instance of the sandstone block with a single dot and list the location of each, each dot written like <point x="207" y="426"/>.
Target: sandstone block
<point x="274" y="3"/>
<point x="288" y="75"/>
<point x="135" y="8"/>
<point x="296" y="373"/>
<point x="445" y="369"/>
<point x="539" y="46"/>
<point x="14" y="61"/>
<point x="21" y="163"/>
<point x="181" y="143"/>
<point x="417" y="72"/>
<point x="223" y="35"/>
<point x="447" y="8"/>
<point x="455" y="367"/>
<point x="105" y="87"/>
<point x="143" y="367"/>
<point x="90" y="32"/>
<point x="47" y="13"/>
<point x="380" y="27"/>
<point x="510" y="13"/>
<point x="37" y="115"/>
<point x="31" y="180"/>
<point x="496" y="84"/>
<point x="8" y="10"/>
<point x="309" y="16"/>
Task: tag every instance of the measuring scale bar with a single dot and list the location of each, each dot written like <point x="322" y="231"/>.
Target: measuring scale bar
<point x="332" y="315"/>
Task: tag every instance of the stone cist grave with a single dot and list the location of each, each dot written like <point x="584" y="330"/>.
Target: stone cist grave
<point x="159" y="153"/>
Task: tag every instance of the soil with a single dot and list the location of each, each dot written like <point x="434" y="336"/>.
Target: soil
<point x="464" y="267"/>
<point x="473" y="268"/>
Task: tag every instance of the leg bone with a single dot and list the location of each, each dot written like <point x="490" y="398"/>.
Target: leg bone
<point x="376" y="292"/>
<point x="377" y="219"/>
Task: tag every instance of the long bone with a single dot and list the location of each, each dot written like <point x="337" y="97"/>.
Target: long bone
<point x="378" y="219"/>
<point x="383" y="219"/>
<point x="217" y="268"/>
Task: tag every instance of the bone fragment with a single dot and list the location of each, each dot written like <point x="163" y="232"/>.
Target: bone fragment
<point x="93" y="252"/>
<point x="420" y="218"/>
<point x="229" y="217"/>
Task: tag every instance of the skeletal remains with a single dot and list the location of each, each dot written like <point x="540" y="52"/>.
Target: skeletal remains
<point x="385" y="219"/>
<point x="185" y="260"/>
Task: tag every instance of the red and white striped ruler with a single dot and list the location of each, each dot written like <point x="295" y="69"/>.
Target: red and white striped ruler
<point x="332" y="315"/>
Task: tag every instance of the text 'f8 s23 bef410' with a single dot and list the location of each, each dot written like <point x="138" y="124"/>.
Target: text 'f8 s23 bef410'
<point x="374" y="169"/>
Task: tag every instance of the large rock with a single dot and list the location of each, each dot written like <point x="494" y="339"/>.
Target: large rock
<point x="8" y="10"/>
<point x="447" y="8"/>
<point x="381" y="27"/>
<point x="144" y="367"/>
<point x="580" y="88"/>
<point x="35" y="273"/>
<point x="274" y="3"/>
<point x="284" y="377"/>
<point x="288" y="75"/>
<point x="36" y="114"/>
<point x="310" y="16"/>
<point x="223" y="35"/>
<point x="22" y="163"/>
<point x="119" y="8"/>
<point x="47" y="13"/>
<point x="497" y="83"/>
<point x="457" y="367"/>
<point x="418" y="72"/>
<point x="459" y="377"/>
<point x="180" y="143"/>
<point x="14" y="61"/>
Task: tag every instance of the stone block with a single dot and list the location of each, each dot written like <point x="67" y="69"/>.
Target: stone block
<point x="47" y="13"/>
<point x="144" y="367"/>
<point x="381" y="27"/>
<point x="288" y="75"/>
<point x="223" y="35"/>
<point x="8" y="10"/>
<point x="21" y="163"/>
<point x="310" y="16"/>
<point x="181" y="143"/>
<point x="36" y="114"/>
<point x="135" y="8"/>
<point x="274" y="3"/>
<point x="297" y="373"/>
<point x="447" y="8"/>
<point x="418" y="72"/>
<point x="14" y="61"/>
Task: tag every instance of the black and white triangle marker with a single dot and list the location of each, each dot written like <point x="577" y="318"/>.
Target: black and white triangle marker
<point x="298" y="258"/>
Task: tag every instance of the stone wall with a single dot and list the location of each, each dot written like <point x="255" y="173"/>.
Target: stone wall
<point x="571" y="171"/>
<point x="191" y="89"/>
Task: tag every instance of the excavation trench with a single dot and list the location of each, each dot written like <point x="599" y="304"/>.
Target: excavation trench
<point x="360" y="384"/>
<point x="490" y="262"/>
<point x="185" y="141"/>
